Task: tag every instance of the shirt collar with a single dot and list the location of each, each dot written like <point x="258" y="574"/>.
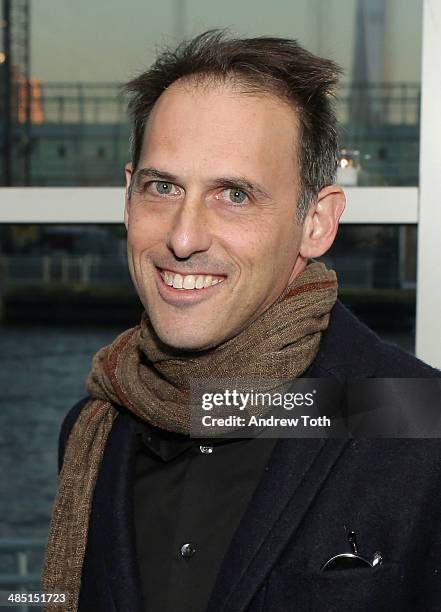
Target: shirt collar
<point x="167" y="444"/>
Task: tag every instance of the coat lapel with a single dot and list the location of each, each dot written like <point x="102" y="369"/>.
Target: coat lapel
<point x="295" y="474"/>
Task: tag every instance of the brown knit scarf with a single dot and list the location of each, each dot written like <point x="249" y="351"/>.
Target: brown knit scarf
<point x="139" y="372"/>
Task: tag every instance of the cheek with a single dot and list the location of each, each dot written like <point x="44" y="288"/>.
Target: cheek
<point x="134" y="238"/>
<point x="142" y="232"/>
<point x="248" y="250"/>
<point x="257" y="261"/>
<point x="275" y="254"/>
<point x="267" y="244"/>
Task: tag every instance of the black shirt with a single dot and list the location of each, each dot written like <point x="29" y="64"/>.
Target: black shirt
<point x="189" y="498"/>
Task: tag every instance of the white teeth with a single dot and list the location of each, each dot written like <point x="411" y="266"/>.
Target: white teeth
<point x="189" y="281"/>
<point x="177" y="281"/>
<point x="199" y="282"/>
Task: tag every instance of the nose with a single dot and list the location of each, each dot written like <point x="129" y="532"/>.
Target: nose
<point x="189" y="232"/>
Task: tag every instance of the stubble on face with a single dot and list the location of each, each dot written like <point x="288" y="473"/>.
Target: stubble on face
<point x="202" y="142"/>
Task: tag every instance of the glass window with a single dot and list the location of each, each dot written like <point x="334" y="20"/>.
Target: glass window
<point x="376" y="270"/>
<point x="75" y="132"/>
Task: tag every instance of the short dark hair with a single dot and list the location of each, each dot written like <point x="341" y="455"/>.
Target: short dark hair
<point x="273" y="65"/>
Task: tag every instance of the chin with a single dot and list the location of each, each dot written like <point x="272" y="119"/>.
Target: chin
<point x="185" y="341"/>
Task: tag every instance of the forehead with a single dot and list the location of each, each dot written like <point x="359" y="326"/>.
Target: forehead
<point x="202" y="128"/>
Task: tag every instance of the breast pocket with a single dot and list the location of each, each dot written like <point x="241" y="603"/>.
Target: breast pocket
<point x="375" y="589"/>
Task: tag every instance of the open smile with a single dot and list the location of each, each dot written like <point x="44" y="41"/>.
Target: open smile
<point x="189" y="281"/>
<point x="179" y="288"/>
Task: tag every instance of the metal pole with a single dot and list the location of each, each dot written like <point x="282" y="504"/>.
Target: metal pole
<point x="7" y="78"/>
<point x="28" y="101"/>
<point x="428" y="322"/>
<point x="22" y="558"/>
<point x="179" y="10"/>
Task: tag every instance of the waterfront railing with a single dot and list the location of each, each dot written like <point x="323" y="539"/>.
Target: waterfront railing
<point x="20" y="554"/>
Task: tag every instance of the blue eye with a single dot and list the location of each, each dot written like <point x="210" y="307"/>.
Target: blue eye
<point x="163" y="188"/>
<point x="237" y="196"/>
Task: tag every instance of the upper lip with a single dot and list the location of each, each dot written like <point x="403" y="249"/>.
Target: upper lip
<point x="187" y="273"/>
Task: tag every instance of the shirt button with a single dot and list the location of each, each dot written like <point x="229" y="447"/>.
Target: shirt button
<point x="206" y="450"/>
<point x="187" y="550"/>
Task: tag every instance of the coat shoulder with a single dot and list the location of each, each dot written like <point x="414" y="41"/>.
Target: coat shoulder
<point x="349" y="348"/>
<point x="393" y="362"/>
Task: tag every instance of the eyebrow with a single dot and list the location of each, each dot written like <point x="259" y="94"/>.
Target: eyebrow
<point x="229" y="182"/>
<point x="155" y="173"/>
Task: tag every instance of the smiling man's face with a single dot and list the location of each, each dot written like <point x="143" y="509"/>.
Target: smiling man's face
<point x="212" y="233"/>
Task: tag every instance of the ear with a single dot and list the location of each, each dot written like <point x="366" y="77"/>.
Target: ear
<point x="321" y="223"/>
<point x="129" y="173"/>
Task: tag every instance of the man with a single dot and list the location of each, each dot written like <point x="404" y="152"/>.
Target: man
<point x="230" y="199"/>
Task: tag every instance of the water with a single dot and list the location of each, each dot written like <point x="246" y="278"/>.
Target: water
<point x="42" y="374"/>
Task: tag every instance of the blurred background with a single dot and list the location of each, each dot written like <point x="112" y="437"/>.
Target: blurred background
<point x="64" y="287"/>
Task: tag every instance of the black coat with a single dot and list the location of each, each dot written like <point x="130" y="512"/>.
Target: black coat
<point x="313" y="492"/>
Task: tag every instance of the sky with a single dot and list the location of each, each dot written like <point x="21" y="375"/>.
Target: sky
<point x="111" y="41"/>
